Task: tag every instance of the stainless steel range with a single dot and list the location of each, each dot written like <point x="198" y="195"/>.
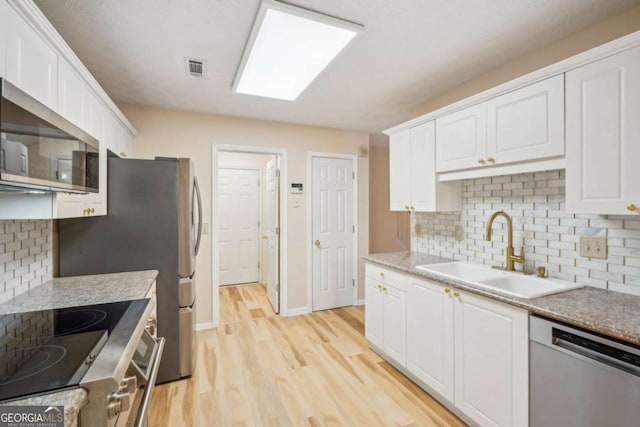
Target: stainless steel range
<point x="109" y="349"/>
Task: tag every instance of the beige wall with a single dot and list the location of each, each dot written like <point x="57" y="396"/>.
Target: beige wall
<point x="606" y="31"/>
<point x="383" y="231"/>
<point x="163" y="132"/>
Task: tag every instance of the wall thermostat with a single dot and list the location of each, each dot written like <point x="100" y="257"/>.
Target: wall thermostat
<point x="296" y="188"/>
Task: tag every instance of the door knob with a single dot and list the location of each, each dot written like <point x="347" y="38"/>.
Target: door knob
<point x="631" y="207"/>
<point x="317" y="243"/>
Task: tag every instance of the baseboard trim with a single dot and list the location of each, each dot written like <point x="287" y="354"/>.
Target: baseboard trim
<point x="204" y="326"/>
<point x="298" y="311"/>
<point x="360" y="302"/>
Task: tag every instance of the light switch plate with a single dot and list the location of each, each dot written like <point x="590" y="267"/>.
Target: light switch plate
<point x="593" y="247"/>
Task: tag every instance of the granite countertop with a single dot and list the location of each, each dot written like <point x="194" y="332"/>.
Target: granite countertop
<point x="83" y="290"/>
<point x="72" y="400"/>
<point x="70" y="292"/>
<point x="606" y="312"/>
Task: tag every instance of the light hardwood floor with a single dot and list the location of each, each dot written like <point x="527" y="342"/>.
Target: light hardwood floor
<point x="310" y="370"/>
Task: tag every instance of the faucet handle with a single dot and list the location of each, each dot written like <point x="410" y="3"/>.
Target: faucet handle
<point x="542" y="272"/>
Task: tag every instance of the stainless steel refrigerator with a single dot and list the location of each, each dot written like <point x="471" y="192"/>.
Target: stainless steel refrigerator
<point x="153" y="222"/>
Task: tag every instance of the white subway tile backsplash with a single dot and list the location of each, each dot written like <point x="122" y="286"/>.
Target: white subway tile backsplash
<point x="25" y="256"/>
<point x="549" y="234"/>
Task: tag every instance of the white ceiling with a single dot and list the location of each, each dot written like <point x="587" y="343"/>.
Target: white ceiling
<point x="410" y="51"/>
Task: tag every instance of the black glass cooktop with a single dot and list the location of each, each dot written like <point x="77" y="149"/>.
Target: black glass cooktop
<point x="52" y="349"/>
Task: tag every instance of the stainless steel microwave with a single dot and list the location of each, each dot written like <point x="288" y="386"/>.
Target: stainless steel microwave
<point x="41" y="150"/>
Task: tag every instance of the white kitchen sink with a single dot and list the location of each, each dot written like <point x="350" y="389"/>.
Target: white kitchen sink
<point x="515" y="284"/>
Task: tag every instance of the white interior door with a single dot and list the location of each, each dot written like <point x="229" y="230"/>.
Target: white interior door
<point x="332" y="225"/>
<point x="272" y="220"/>
<point x="238" y="228"/>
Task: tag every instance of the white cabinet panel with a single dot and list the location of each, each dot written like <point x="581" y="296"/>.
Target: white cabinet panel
<point x="399" y="170"/>
<point x="373" y="312"/>
<point x="3" y="38"/>
<point x="32" y="65"/>
<point x="412" y="175"/>
<point x="603" y="134"/>
<point x="395" y="323"/>
<point x="430" y="335"/>
<point x="527" y="123"/>
<point x="72" y="95"/>
<point x="524" y="125"/>
<point x="461" y="139"/>
<point x="491" y="361"/>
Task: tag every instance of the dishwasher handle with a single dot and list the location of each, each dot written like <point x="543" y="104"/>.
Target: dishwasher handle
<point x="597" y="351"/>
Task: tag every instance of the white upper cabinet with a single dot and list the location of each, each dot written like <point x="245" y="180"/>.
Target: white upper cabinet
<point x="413" y="183"/>
<point x="524" y="125"/>
<point x="72" y="95"/>
<point x="491" y="361"/>
<point x="603" y="136"/>
<point x="32" y="65"/>
<point x="399" y="170"/>
<point x="461" y="140"/>
<point x="3" y="38"/>
<point x="527" y="123"/>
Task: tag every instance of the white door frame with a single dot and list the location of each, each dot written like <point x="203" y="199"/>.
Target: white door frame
<point x="260" y="171"/>
<point x="215" y="285"/>
<point x="354" y="160"/>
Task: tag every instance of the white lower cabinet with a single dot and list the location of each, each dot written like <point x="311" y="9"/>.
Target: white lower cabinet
<point x="430" y="335"/>
<point x="491" y="361"/>
<point x="471" y="351"/>
<point x="386" y="312"/>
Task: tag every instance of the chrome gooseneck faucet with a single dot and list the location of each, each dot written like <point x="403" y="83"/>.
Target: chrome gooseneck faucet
<point x="512" y="258"/>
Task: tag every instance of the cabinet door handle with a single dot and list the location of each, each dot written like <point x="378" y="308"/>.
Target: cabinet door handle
<point x="631" y="207"/>
<point x="481" y="161"/>
<point x="491" y="159"/>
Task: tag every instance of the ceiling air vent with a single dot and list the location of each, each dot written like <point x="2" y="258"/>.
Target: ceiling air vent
<point x="195" y="67"/>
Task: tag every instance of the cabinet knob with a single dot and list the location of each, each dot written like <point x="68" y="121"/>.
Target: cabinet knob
<point x="491" y="159"/>
<point x="632" y="207"/>
<point x="382" y="274"/>
<point x="447" y="290"/>
<point x="481" y="161"/>
<point x="317" y="243"/>
<point x="123" y="154"/>
<point x="92" y="210"/>
<point x="406" y="207"/>
<point x="384" y="288"/>
<point x="86" y="211"/>
<point x="413" y="208"/>
<point x="456" y="295"/>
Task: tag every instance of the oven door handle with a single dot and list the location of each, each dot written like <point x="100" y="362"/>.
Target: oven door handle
<point x="141" y="418"/>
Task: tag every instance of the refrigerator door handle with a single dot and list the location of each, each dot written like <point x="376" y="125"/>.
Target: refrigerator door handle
<point x="196" y="189"/>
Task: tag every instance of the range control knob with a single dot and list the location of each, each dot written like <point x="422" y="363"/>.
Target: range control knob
<point x="118" y="402"/>
<point x="129" y="384"/>
<point x="152" y="325"/>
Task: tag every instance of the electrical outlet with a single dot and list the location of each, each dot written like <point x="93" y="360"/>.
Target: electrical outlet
<point x="593" y="247"/>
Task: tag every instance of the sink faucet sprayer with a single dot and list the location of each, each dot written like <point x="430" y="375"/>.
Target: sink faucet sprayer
<point x="512" y="258"/>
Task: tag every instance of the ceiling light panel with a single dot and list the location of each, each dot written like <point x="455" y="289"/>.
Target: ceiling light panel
<point x="288" y="48"/>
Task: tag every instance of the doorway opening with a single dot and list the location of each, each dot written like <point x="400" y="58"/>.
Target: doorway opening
<point x="249" y="233"/>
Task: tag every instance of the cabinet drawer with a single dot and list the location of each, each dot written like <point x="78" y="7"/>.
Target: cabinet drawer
<point x="387" y="276"/>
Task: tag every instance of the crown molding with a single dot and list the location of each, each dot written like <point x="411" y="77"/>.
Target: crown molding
<point x="607" y="49"/>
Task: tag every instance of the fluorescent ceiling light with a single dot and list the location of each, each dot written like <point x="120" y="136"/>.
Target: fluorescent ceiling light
<point x="288" y="48"/>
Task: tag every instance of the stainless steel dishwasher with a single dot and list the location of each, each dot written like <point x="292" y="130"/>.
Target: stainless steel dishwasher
<point x="581" y="379"/>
